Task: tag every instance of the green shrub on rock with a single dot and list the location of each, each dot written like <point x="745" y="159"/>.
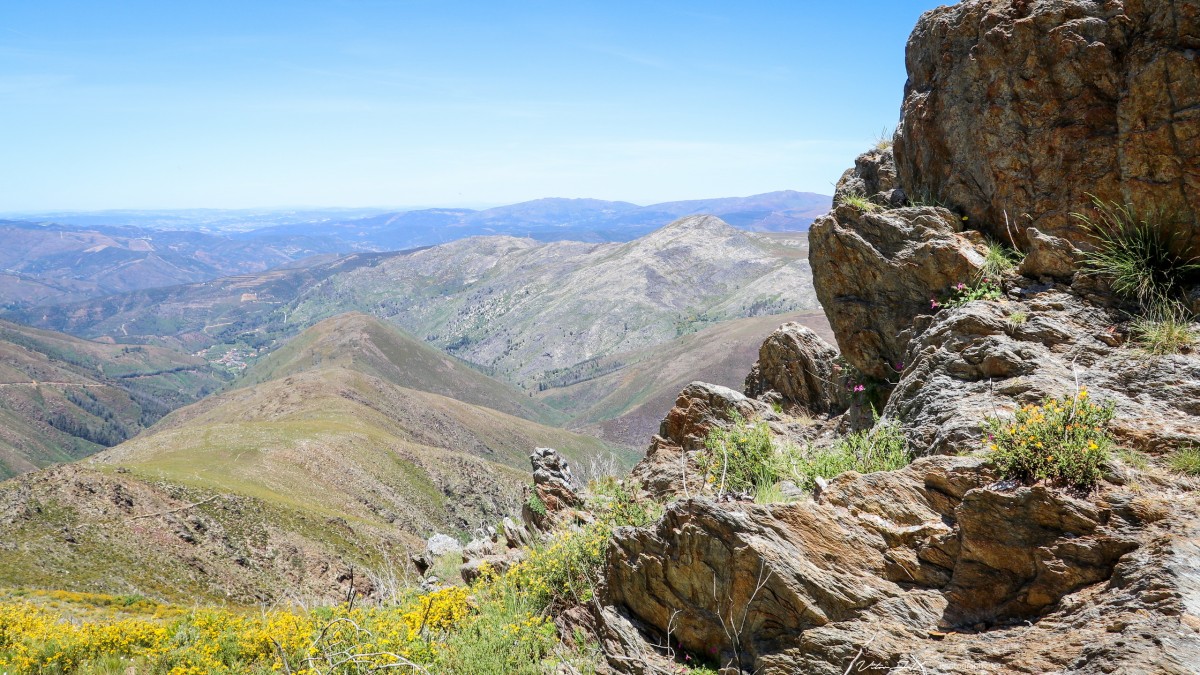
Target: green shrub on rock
<point x="1065" y="441"/>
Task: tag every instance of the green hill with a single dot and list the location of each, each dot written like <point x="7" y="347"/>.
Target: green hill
<point x="327" y="463"/>
<point x="363" y="343"/>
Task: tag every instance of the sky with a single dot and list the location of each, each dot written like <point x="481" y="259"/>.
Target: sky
<point x="363" y="103"/>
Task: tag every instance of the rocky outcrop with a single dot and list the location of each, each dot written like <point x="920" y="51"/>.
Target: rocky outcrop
<point x="1014" y="110"/>
<point x="874" y="272"/>
<point x="1026" y="108"/>
<point x="986" y="358"/>
<point x="796" y="367"/>
<point x="553" y="487"/>
<point x="872" y="177"/>
<point x="934" y="563"/>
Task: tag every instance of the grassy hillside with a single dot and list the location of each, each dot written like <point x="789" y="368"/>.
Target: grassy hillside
<point x="63" y="398"/>
<point x="363" y="343"/>
<point x="327" y="463"/>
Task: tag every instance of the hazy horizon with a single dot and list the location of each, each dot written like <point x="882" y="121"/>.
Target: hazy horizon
<point x="143" y="106"/>
<point x="367" y="207"/>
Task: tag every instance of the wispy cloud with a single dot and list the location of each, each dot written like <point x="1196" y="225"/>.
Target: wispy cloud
<point x="630" y="56"/>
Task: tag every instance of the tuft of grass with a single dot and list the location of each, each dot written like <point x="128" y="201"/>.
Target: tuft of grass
<point x="885" y="139"/>
<point x="1143" y="261"/>
<point x="880" y="448"/>
<point x="1185" y="460"/>
<point x="1133" y="459"/>
<point x="998" y="260"/>
<point x="743" y="459"/>
<point x="1063" y="440"/>
<point x="770" y="493"/>
<point x="1166" y="329"/>
<point x="861" y="203"/>
<point x="926" y="198"/>
<point x="1018" y="318"/>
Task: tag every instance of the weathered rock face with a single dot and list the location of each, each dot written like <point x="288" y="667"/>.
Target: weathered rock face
<point x="879" y="563"/>
<point x="1017" y="108"/>
<point x="873" y="177"/>
<point x="875" y="272"/>
<point x="1027" y="107"/>
<point x="796" y="367"/>
<point x="554" y="486"/>
<point x="976" y="360"/>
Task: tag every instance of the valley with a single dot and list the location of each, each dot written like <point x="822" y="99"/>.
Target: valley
<point x="342" y="449"/>
<point x="63" y="398"/>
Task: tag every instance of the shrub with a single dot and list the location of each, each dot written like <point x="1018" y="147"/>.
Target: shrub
<point x="1064" y="441"/>
<point x="1185" y="460"/>
<point x="740" y="458"/>
<point x="536" y="504"/>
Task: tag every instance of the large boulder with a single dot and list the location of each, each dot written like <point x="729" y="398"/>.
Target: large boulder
<point x="796" y="367"/>
<point x="876" y="271"/>
<point x="1015" y="111"/>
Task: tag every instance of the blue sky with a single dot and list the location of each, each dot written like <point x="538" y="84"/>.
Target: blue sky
<point x="402" y="103"/>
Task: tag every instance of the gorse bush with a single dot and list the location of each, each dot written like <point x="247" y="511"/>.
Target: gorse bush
<point x="1065" y="441"/>
<point x="498" y="626"/>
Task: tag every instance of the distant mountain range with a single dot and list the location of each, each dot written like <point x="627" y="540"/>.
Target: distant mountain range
<point x="537" y="315"/>
<point x="62" y="257"/>
<point x="590" y="220"/>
